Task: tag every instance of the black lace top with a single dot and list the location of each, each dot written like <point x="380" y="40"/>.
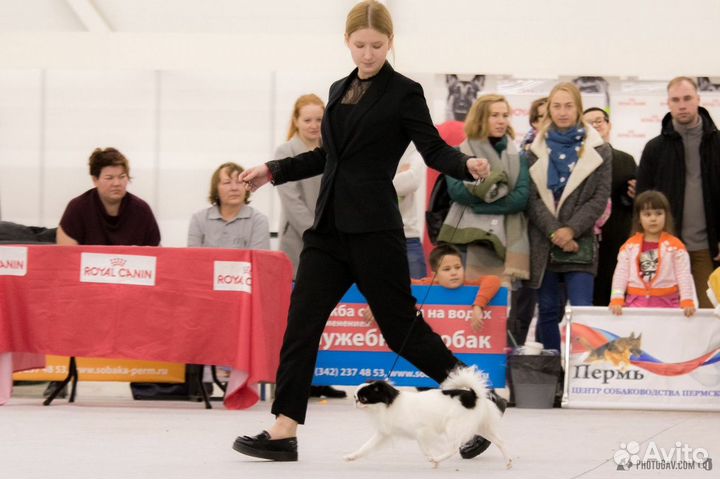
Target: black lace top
<point x="341" y="111"/>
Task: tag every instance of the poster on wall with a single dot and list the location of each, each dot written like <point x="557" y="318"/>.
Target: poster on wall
<point x="648" y="358"/>
<point x="462" y="91"/>
<point x="353" y="351"/>
<point x="637" y="110"/>
<point x="709" y="88"/>
<point x="595" y="91"/>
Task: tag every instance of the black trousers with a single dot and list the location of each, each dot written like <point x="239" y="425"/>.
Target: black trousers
<point x="331" y="261"/>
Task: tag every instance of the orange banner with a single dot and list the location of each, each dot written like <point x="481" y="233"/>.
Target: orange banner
<point x="98" y="369"/>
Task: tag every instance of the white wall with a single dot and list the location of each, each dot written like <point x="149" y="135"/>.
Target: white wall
<point x="650" y="39"/>
<point x="187" y="85"/>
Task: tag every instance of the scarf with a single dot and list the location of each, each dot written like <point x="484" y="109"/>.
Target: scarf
<point x="500" y="144"/>
<point x="487" y="257"/>
<point x="564" y="148"/>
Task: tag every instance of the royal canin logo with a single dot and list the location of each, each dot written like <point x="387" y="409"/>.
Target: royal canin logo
<point x="118" y="261"/>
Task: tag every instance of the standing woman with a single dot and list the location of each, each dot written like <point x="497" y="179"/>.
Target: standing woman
<point x="494" y="227"/>
<point x="357" y="235"/>
<point x="570" y="171"/>
<point x="298" y="198"/>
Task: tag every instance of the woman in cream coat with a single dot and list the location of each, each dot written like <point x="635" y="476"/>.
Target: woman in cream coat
<point x="570" y="172"/>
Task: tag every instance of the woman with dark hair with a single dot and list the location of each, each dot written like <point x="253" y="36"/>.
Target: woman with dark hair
<point x="108" y="214"/>
<point x="538" y="109"/>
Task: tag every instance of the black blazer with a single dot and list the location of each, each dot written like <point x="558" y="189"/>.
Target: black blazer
<point x="357" y="175"/>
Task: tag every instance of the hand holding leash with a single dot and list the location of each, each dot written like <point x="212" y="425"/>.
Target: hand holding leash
<point x="255" y="177"/>
<point x="479" y="168"/>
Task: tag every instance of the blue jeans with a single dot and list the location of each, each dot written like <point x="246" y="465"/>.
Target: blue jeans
<point x="578" y="290"/>
<point x="416" y="258"/>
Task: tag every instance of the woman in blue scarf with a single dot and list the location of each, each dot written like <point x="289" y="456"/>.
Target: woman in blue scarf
<point x="570" y="172"/>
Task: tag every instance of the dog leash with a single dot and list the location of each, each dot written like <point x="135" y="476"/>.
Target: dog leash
<point x="418" y="309"/>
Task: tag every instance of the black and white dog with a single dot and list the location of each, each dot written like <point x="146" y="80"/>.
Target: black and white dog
<point x="440" y="420"/>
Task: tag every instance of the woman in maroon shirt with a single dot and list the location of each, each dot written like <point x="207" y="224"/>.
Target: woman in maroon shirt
<point x="108" y="214"/>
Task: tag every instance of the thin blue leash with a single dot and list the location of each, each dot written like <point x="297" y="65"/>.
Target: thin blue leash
<point x="418" y="310"/>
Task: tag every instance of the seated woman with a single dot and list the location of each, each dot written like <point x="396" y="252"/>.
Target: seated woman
<point x="230" y="222"/>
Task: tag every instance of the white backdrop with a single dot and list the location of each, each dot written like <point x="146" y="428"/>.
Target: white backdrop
<point x="181" y="86"/>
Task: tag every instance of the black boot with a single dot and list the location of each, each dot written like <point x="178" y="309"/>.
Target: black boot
<point x="327" y="391"/>
<point x="478" y="444"/>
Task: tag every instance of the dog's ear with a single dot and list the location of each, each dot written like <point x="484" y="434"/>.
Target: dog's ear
<point x="387" y="392"/>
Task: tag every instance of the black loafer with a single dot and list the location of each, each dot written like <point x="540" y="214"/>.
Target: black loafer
<point x="474" y="447"/>
<point x="265" y="448"/>
<point x="478" y="444"/>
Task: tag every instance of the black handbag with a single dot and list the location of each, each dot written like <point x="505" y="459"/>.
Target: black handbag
<point x="584" y="255"/>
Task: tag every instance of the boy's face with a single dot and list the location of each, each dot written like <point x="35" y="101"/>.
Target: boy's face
<point x="450" y="273"/>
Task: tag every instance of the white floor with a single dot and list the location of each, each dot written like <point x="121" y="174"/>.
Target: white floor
<point x="105" y="434"/>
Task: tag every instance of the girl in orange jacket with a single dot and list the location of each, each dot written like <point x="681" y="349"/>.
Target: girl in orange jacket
<point x="653" y="269"/>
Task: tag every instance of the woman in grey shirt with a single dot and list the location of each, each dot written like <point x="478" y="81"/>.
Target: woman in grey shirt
<point x="230" y="222"/>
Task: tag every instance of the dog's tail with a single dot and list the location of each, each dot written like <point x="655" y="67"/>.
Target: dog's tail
<point x="468" y="378"/>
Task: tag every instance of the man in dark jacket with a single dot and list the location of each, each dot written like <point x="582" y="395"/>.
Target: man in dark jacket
<point x="683" y="162"/>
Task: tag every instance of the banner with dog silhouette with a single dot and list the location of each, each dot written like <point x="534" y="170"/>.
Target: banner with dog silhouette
<point x="353" y="351"/>
<point x="647" y="358"/>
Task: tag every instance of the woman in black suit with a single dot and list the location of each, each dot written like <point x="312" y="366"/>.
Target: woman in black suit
<point x="357" y="237"/>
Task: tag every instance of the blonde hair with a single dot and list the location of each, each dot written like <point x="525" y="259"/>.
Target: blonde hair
<point x="573" y="91"/>
<point x="230" y="167"/>
<point x="477" y="122"/>
<point x="369" y="14"/>
<point x="304" y="100"/>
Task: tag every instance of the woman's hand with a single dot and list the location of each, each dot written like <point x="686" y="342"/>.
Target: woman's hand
<point x="479" y="168"/>
<point x="571" y="247"/>
<point x="562" y="236"/>
<point x="255" y="177"/>
<point x="616" y="309"/>
<point x="689" y="311"/>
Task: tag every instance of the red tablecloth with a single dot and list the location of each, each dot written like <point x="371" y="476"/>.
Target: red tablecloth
<point x="181" y="318"/>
